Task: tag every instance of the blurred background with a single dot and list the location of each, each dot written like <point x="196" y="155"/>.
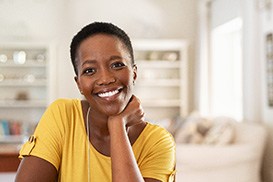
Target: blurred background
<point x="198" y="60"/>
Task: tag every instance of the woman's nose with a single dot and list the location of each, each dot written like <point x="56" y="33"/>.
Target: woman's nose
<point x="105" y="77"/>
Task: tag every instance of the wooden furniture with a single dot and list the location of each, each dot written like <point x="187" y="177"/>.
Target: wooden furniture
<point x="9" y="157"/>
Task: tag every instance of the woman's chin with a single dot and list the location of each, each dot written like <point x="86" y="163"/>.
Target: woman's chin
<point x="114" y="108"/>
<point x="112" y="111"/>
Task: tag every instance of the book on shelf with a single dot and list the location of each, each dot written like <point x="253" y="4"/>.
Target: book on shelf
<point x="15" y="128"/>
<point x="4" y="127"/>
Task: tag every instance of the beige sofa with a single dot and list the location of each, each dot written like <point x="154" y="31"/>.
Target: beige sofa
<point x="236" y="162"/>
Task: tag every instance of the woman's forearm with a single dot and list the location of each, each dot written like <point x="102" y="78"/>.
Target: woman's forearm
<point x="124" y="165"/>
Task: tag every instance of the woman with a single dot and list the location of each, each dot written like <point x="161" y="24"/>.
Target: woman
<point x="104" y="137"/>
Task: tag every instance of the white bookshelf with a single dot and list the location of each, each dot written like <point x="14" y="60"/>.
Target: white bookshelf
<point x="26" y="84"/>
<point x="162" y="83"/>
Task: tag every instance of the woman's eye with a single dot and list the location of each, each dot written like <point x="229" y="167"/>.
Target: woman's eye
<point x="118" y="65"/>
<point x="89" y="71"/>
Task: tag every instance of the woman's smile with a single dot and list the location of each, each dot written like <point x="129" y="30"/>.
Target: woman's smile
<point x="106" y="94"/>
<point x="109" y="94"/>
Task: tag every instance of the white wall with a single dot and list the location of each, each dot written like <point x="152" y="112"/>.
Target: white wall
<point x="266" y="24"/>
<point x="30" y="19"/>
<point x="257" y="23"/>
<point x="251" y="67"/>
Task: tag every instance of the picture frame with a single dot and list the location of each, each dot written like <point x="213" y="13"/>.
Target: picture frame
<point x="269" y="68"/>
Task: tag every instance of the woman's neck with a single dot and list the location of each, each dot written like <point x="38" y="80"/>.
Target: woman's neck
<point x="96" y="120"/>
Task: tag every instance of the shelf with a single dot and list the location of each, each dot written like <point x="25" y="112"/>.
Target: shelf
<point x="16" y="83"/>
<point x="23" y="103"/>
<point x="11" y="144"/>
<point x="158" y="44"/>
<point x="28" y="64"/>
<point x="162" y="83"/>
<point x="161" y="103"/>
<point x="158" y="64"/>
<point x="12" y="139"/>
<point x="158" y="82"/>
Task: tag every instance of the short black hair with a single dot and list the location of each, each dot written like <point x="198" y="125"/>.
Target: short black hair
<point x="98" y="28"/>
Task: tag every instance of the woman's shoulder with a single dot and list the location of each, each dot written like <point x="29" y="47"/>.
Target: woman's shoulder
<point x="156" y="129"/>
<point x="156" y="132"/>
<point x="65" y="102"/>
<point x="154" y="138"/>
<point x="62" y="111"/>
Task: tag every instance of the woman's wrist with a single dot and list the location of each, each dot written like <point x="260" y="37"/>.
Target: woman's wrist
<point x="115" y="123"/>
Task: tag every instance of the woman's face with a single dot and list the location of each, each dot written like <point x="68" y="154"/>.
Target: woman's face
<point x="105" y="73"/>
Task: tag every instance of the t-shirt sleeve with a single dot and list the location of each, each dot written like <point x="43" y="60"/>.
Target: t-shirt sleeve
<point x="47" y="140"/>
<point x="159" y="163"/>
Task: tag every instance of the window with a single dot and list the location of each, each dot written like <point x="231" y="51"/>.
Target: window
<point x="226" y="70"/>
<point x="220" y="87"/>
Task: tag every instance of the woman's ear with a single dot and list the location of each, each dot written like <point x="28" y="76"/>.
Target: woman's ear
<point x="135" y="72"/>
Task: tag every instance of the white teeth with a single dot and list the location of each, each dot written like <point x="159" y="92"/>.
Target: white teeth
<point x="108" y="94"/>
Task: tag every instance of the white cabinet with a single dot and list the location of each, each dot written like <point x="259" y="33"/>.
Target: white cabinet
<point x="25" y="87"/>
<point x="162" y="83"/>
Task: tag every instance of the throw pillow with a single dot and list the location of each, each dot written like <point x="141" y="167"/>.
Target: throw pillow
<point x="222" y="132"/>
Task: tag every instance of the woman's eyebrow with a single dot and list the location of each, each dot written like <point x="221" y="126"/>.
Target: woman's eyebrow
<point x="88" y="62"/>
<point x="119" y="58"/>
<point x="115" y="57"/>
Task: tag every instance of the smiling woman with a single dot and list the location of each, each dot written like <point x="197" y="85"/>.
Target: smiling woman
<point x="105" y="136"/>
<point x="105" y="73"/>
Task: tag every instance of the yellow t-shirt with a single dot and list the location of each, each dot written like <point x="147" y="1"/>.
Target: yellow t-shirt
<point x="60" y="138"/>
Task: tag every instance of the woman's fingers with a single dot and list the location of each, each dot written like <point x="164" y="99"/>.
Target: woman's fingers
<point x="134" y="112"/>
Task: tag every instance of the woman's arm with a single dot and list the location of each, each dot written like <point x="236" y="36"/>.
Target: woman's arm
<point x="33" y="169"/>
<point x="124" y="165"/>
<point x="41" y="153"/>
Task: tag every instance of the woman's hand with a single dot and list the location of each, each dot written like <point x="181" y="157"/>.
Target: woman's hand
<point x="133" y="114"/>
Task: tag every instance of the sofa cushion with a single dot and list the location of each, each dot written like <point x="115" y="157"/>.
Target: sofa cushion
<point x="221" y="133"/>
<point x="193" y="130"/>
<point x="201" y="130"/>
